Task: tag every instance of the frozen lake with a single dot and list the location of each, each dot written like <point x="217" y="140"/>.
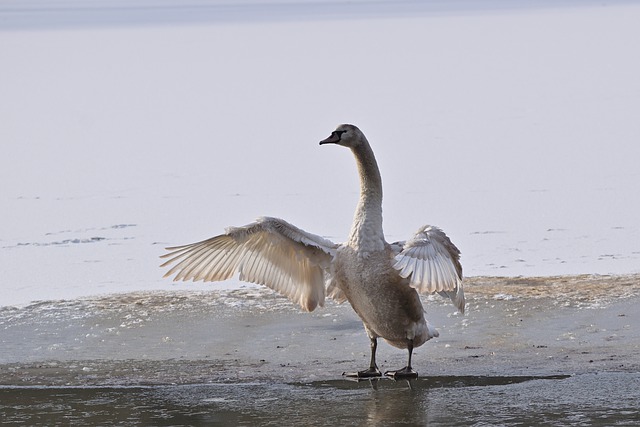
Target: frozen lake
<point x="123" y="137"/>
<point x="131" y="126"/>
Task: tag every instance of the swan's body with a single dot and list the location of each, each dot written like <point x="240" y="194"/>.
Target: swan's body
<point x="381" y="281"/>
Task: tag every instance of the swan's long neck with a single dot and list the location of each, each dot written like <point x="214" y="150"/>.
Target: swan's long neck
<point x="366" y="231"/>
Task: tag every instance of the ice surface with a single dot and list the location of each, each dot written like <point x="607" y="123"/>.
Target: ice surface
<point x="513" y="129"/>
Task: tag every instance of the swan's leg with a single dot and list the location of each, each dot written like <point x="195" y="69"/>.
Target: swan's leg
<point x="373" y="370"/>
<point x="407" y="371"/>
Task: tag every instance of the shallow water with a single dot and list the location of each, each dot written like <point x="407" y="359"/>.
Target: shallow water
<point x="587" y="399"/>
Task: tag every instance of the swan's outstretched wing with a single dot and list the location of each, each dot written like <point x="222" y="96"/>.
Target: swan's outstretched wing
<point x="432" y="264"/>
<point x="269" y="252"/>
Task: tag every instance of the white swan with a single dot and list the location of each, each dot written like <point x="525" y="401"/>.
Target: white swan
<point x="379" y="279"/>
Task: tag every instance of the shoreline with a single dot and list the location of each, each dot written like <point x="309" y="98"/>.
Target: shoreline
<point x="520" y="286"/>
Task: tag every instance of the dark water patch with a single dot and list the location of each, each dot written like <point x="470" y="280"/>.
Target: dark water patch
<point x="117" y="226"/>
<point x="85" y="230"/>
<point x="447" y="381"/>
<point x="65" y="242"/>
<point x="96" y="238"/>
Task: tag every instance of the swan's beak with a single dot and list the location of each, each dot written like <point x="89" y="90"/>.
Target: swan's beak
<point x="334" y="138"/>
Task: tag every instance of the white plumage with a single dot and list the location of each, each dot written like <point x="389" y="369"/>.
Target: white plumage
<point x="268" y="252"/>
<point x="379" y="279"/>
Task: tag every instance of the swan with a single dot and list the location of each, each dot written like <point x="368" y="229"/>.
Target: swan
<point x="381" y="280"/>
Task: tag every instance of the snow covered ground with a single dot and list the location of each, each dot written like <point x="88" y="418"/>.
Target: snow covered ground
<point x="128" y="129"/>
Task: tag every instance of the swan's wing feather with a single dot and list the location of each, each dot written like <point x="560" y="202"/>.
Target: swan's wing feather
<point x="431" y="262"/>
<point x="269" y="252"/>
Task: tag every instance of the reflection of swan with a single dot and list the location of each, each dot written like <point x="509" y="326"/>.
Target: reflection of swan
<point x="379" y="279"/>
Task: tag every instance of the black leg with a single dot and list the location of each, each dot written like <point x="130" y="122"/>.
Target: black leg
<point x="373" y="370"/>
<point x="410" y="347"/>
<point x="374" y="347"/>
<point x="407" y="371"/>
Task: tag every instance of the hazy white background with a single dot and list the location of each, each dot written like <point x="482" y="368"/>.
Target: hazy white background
<point x="125" y="129"/>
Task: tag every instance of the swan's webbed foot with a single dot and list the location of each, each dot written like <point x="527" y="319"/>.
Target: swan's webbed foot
<point x="373" y="372"/>
<point x="405" y="373"/>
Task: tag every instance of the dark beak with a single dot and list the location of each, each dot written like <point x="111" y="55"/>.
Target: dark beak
<point x="334" y="138"/>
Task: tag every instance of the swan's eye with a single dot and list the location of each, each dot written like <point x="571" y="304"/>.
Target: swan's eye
<point x="339" y="133"/>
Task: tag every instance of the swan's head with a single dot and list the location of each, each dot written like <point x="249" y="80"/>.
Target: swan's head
<point x="346" y="135"/>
